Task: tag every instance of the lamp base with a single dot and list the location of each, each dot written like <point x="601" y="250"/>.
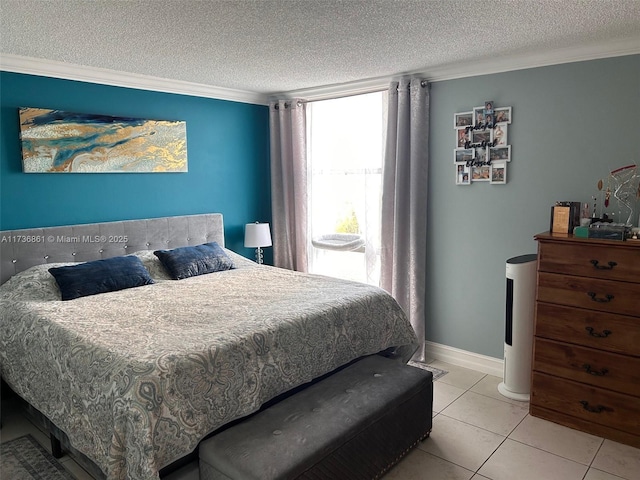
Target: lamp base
<point x="259" y="256"/>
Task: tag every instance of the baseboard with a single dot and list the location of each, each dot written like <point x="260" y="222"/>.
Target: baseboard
<point x="463" y="358"/>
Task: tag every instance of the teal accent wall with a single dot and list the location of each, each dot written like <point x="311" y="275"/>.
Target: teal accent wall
<point x="227" y="148"/>
<point x="572" y="124"/>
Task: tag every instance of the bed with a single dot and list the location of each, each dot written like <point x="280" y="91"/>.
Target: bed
<point x="134" y="379"/>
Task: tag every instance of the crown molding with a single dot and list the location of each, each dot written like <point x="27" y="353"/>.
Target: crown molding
<point x="508" y="63"/>
<point x="618" y="48"/>
<point x="103" y="76"/>
<point x="55" y="69"/>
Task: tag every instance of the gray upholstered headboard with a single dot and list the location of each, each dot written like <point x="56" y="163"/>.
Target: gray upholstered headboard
<point x="21" y="249"/>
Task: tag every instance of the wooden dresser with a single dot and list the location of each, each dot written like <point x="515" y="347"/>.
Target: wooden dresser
<point x="586" y="352"/>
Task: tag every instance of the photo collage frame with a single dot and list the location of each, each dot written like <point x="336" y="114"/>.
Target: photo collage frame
<point x="482" y="150"/>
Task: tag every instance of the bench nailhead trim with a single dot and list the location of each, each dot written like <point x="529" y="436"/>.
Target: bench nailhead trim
<point x="397" y="460"/>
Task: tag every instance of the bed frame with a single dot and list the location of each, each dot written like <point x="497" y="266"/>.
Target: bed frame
<point x="22" y="249"/>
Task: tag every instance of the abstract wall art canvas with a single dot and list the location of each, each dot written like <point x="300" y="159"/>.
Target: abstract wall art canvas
<point x="55" y="141"/>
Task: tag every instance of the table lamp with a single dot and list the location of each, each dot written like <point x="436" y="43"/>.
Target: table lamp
<point x="257" y="235"/>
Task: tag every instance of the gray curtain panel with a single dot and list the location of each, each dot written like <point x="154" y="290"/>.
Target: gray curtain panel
<point x="287" y="121"/>
<point x="404" y="201"/>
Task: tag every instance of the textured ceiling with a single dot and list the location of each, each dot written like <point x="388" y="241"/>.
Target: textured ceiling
<point x="279" y="46"/>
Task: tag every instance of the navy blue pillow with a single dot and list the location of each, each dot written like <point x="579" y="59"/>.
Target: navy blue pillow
<point x="100" y="276"/>
<point x="185" y="262"/>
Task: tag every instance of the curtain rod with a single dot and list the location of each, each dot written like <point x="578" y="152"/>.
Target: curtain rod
<point x="423" y="83"/>
<point x="345" y="94"/>
<point x="300" y="102"/>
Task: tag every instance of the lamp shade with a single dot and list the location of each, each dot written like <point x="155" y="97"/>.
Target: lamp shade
<point x="257" y="235"/>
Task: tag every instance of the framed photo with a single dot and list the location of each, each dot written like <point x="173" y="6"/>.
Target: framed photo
<point x="463" y="137"/>
<point x="478" y="115"/>
<point x="488" y="107"/>
<point x="500" y="153"/>
<point x="481" y="155"/>
<point x="480" y="173"/>
<point x="463" y="174"/>
<point x="463" y="155"/>
<point x="464" y="119"/>
<point x="502" y="115"/>
<point x="479" y="136"/>
<point x="500" y="135"/>
<point x="485" y="132"/>
<point x="489" y="119"/>
<point x="498" y="173"/>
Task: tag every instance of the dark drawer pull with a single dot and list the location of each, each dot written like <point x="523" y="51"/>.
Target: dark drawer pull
<point x="606" y="299"/>
<point x="605" y="333"/>
<point x="609" y="266"/>
<point x="601" y="373"/>
<point x="594" y="409"/>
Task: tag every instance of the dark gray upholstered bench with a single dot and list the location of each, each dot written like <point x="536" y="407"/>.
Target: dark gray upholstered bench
<point x="354" y="424"/>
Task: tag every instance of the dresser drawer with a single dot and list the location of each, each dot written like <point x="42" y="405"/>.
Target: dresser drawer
<point x="586" y="365"/>
<point x="601" y="330"/>
<point x="612" y="409"/>
<point x="591" y="261"/>
<point x="590" y="293"/>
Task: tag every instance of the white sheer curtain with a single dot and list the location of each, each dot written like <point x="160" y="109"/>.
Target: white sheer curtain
<point x="404" y="201"/>
<point x="289" y="187"/>
<point x="345" y="145"/>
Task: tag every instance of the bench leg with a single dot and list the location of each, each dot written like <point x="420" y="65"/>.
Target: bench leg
<point x="56" y="447"/>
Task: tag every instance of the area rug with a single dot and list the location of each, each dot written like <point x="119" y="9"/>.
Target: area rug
<point x="437" y="373"/>
<point x="25" y="459"/>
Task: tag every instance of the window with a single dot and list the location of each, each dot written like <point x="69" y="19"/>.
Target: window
<point x="345" y="142"/>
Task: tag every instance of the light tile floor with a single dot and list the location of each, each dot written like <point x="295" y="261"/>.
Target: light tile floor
<point x="477" y="435"/>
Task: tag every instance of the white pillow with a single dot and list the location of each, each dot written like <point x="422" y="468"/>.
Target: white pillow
<point x="239" y="261"/>
<point x="153" y="264"/>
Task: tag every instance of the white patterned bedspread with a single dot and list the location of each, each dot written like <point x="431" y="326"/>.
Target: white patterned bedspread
<point x="137" y="378"/>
